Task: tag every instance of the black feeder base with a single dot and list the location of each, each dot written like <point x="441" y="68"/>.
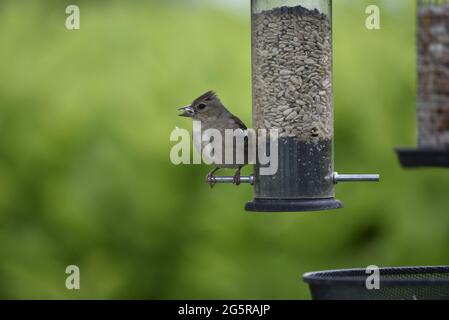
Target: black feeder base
<point x="415" y="158"/>
<point x="288" y="205"/>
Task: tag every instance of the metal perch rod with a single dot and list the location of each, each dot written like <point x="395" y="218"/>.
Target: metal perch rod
<point x="222" y="179"/>
<point x="337" y="178"/>
<point x="355" y="177"/>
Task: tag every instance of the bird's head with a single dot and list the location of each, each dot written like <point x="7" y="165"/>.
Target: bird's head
<point x="204" y="107"/>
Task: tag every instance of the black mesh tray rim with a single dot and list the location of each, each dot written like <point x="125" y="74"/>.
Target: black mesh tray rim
<point x="348" y="276"/>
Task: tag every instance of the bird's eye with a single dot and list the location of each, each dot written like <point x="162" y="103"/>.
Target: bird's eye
<point x="201" y="106"/>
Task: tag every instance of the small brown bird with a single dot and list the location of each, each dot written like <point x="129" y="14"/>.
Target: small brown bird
<point x="212" y="114"/>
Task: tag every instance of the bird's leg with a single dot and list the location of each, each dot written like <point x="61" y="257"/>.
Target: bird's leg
<point x="236" y="179"/>
<point x="210" y="177"/>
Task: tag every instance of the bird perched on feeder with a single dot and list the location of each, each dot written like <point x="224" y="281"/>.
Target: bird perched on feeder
<point x="210" y="111"/>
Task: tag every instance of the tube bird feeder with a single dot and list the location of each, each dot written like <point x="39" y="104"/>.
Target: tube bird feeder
<point x="292" y="94"/>
<point x="433" y="88"/>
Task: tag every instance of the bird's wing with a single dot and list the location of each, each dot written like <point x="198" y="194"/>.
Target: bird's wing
<point x="238" y="122"/>
<point x="240" y="125"/>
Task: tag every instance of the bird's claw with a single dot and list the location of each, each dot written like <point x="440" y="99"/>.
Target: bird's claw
<point x="236" y="178"/>
<point x="210" y="179"/>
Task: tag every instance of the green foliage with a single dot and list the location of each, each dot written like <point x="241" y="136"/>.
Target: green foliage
<point x="85" y="176"/>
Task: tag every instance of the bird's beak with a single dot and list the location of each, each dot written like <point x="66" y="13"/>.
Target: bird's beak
<point x="187" y="111"/>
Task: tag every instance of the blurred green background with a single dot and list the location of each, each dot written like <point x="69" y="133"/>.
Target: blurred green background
<point x="85" y="175"/>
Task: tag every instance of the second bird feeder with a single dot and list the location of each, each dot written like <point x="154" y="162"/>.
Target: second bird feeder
<point x="433" y="87"/>
<point x="292" y="93"/>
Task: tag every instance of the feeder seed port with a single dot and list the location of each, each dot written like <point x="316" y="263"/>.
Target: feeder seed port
<point x="336" y="177"/>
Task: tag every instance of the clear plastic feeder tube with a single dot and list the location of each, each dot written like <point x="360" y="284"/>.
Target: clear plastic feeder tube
<point x="433" y="74"/>
<point x="292" y="92"/>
